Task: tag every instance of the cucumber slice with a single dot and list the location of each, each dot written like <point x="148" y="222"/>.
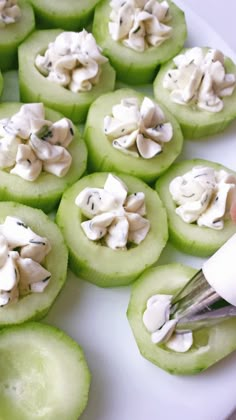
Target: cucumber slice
<point x="191" y="238"/>
<point x="99" y="264"/>
<point x="35" y="305"/>
<point x="104" y="157"/>
<point x="131" y="66"/>
<point x="70" y="15"/>
<point x="36" y="88"/>
<point x="12" y="35"/>
<point x="44" y="374"/>
<point x="197" y="123"/>
<point x="10" y="92"/>
<point x="46" y="191"/>
<point x="209" y="345"/>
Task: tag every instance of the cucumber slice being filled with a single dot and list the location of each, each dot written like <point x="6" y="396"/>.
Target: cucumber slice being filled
<point x="209" y="344"/>
<point x="132" y="66"/>
<point x="195" y="122"/>
<point x="45" y="192"/>
<point x="34" y="87"/>
<point x="70" y="15"/>
<point x="97" y="263"/>
<point x="13" y="34"/>
<point x="104" y="157"/>
<point x="191" y="238"/>
<point x="44" y="374"/>
<point x="35" y="305"/>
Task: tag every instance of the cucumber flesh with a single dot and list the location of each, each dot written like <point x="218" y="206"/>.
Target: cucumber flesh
<point x="104" y="157"/>
<point x="44" y="374"/>
<point x="209" y="345"/>
<point x="72" y="15"/>
<point x="34" y="87"/>
<point x="35" y="305"/>
<point x="12" y="35"/>
<point x="131" y="66"/>
<point x="99" y="264"/>
<point x="191" y="238"/>
<point x="197" y="123"/>
<point x="45" y="192"/>
<point x="10" y="92"/>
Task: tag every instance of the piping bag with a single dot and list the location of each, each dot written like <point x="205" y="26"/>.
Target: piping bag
<point x="210" y="295"/>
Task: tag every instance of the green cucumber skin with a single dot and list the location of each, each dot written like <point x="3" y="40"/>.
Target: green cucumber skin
<point x="99" y="264"/>
<point x="36" y="88"/>
<point x="210" y="344"/>
<point x="196" y="123"/>
<point x="190" y="238"/>
<point x="36" y="305"/>
<point x="44" y="348"/>
<point x="104" y="157"/>
<point x="1" y="83"/>
<point x="133" y="67"/>
<point x="46" y="191"/>
<point x="72" y="15"/>
<point x="14" y="34"/>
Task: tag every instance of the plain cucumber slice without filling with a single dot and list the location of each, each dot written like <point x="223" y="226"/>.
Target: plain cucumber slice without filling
<point x="45" y="192"/>
<point x="104" y="157"/>
<point x="71" y="15"/>
<point x="209" y="344"/>
<point x="44" y="374"/>
<point x="34" y="306"/>
<point x="189" y="237"/>
<point x="136" y="67"/>
<point x="34" y="87"/>
<point x="12" y="35"/>
<point x="197" y="123"/>
<point x="97" y="263"/>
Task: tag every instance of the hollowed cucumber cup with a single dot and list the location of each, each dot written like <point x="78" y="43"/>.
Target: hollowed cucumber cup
<point x="104" y="157"/>
<point x="34" y="87"/>
<point x="189" y="237"/>
<point x="46" y="191"/>
<point x="44" y="374"/>
<point x="35" y="306"/>
<point x="136" y="67"/>
<point x="99" y="264"/>
<point x="196" y="123"/>
<point x="12" y="35"/>
<point x="209" y="344"/>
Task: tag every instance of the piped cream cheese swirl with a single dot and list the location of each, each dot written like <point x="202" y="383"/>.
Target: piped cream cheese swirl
<point x="73" y="61"/>
<point x="139" y="24"/>
<point x="21" y="253"/>
<point x="204" y="196"/>
<point x="9" y="12"/>
<point x="138" y="130"/>
<point x="114" y="216"/>
<point x="200" y="79"/>
<point x="30" y="144"/>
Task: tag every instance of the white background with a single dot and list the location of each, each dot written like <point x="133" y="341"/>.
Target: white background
<point x="220" y="14"/>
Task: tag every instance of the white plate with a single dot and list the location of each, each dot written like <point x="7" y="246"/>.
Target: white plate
<point x="125" y="386"/>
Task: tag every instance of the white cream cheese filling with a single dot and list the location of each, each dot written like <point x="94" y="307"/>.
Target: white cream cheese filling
<point x="113" y="215"/>
<point x="10" y="12"/>
<point x="21" y="253"/>
<point x="138" y="130"/>
<point x="199" y="78"/>
<point x="204" y="196"/>
<point x="73" y="60"/>
<point x="156" y="319"/>
<point x="29" y="144"/>
<point x="139" y="24"/>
